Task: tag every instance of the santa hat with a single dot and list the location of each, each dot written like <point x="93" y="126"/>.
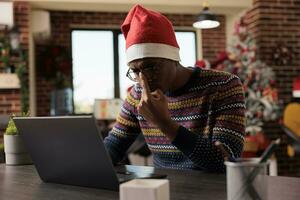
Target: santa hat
<point x="296" y="87"/>
<point x="149" y="34"/>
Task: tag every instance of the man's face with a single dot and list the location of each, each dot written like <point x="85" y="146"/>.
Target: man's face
<point x="158" y="72"/>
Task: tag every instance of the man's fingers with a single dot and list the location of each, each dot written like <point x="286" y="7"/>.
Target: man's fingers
<point x="145" y="86"/>
<point x="145" y="112"/>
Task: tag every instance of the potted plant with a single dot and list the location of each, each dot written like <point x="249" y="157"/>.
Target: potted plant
<point x="15" y="151"/>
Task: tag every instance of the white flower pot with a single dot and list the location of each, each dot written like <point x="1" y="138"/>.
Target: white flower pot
<point x="15" y="151"/>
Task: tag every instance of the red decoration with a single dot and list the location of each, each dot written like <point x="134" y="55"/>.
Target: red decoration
<point x="200" y="63"/>
<point x="221" y="57"/>
<point x="296" y="87"/>
<point x="55" y="66"/>
<point x="255" y="144"/>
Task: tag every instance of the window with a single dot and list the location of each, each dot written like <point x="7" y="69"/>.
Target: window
<point x="187" y="43"/>
<point x="99" y="65"/>
<point x="125" y="83"/>
<point x="93" y="68"/>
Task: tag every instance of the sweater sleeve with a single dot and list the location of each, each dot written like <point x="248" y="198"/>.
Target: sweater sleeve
<point x="227" y="126"/>
<point x="125" y="130"/>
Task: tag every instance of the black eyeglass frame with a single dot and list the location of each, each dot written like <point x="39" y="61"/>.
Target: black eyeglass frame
<point x="132" y="74"/>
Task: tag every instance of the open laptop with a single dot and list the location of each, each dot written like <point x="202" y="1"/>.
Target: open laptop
<point x="70" y="150"/>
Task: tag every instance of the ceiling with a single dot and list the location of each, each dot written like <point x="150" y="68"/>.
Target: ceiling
<point x="166" y="6"/>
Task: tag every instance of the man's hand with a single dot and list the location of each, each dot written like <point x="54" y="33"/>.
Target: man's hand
<point x="154" y="108"/>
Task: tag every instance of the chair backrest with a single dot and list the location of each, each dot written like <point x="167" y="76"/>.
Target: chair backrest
<point x="293" y="139"/>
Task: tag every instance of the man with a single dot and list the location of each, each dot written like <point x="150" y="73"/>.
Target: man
<point x="180" y="111"/>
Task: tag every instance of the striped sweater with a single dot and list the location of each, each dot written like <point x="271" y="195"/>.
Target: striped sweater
<point x="209" y="107"/>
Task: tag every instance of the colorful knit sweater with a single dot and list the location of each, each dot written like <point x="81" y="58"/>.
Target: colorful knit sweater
<point x="209" y="107"/>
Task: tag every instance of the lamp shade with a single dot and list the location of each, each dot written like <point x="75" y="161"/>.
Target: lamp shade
<point x="6" y="14"/>
<point x="41" y="25"/>
<point x="206" y="20"/>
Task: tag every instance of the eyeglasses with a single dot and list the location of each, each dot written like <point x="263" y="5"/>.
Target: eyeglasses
<point x="149" y="68"/>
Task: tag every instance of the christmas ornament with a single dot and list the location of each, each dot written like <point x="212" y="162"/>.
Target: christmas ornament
<point x="261" y="96"/>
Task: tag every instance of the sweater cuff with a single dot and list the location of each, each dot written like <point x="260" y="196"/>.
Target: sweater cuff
<point x="185" y="140"/>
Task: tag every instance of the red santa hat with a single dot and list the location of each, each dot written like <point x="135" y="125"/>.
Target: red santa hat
<point x="296" y="87"/>
<point x="149" y="34"/>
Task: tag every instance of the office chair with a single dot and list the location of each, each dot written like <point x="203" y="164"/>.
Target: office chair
<point x="293" y="139"/>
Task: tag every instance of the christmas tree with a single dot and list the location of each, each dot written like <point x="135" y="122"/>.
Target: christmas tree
<point x="258" y="79"/>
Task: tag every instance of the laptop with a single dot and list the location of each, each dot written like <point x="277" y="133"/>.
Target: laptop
<point x="70" y="150"/>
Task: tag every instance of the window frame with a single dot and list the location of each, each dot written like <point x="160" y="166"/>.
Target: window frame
<point x="116" y="32"/>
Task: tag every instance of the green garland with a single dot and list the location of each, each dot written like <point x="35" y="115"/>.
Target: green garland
<point x="21" y="68"/>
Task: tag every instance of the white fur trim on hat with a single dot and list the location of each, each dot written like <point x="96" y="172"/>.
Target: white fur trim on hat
<point x="296" y="93"/>
<point x="155" y="50"/>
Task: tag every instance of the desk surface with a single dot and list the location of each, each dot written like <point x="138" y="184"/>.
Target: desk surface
<point x="23" y="182"/>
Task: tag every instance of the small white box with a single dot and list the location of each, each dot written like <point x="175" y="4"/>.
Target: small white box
<point x="146" y="189"/>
